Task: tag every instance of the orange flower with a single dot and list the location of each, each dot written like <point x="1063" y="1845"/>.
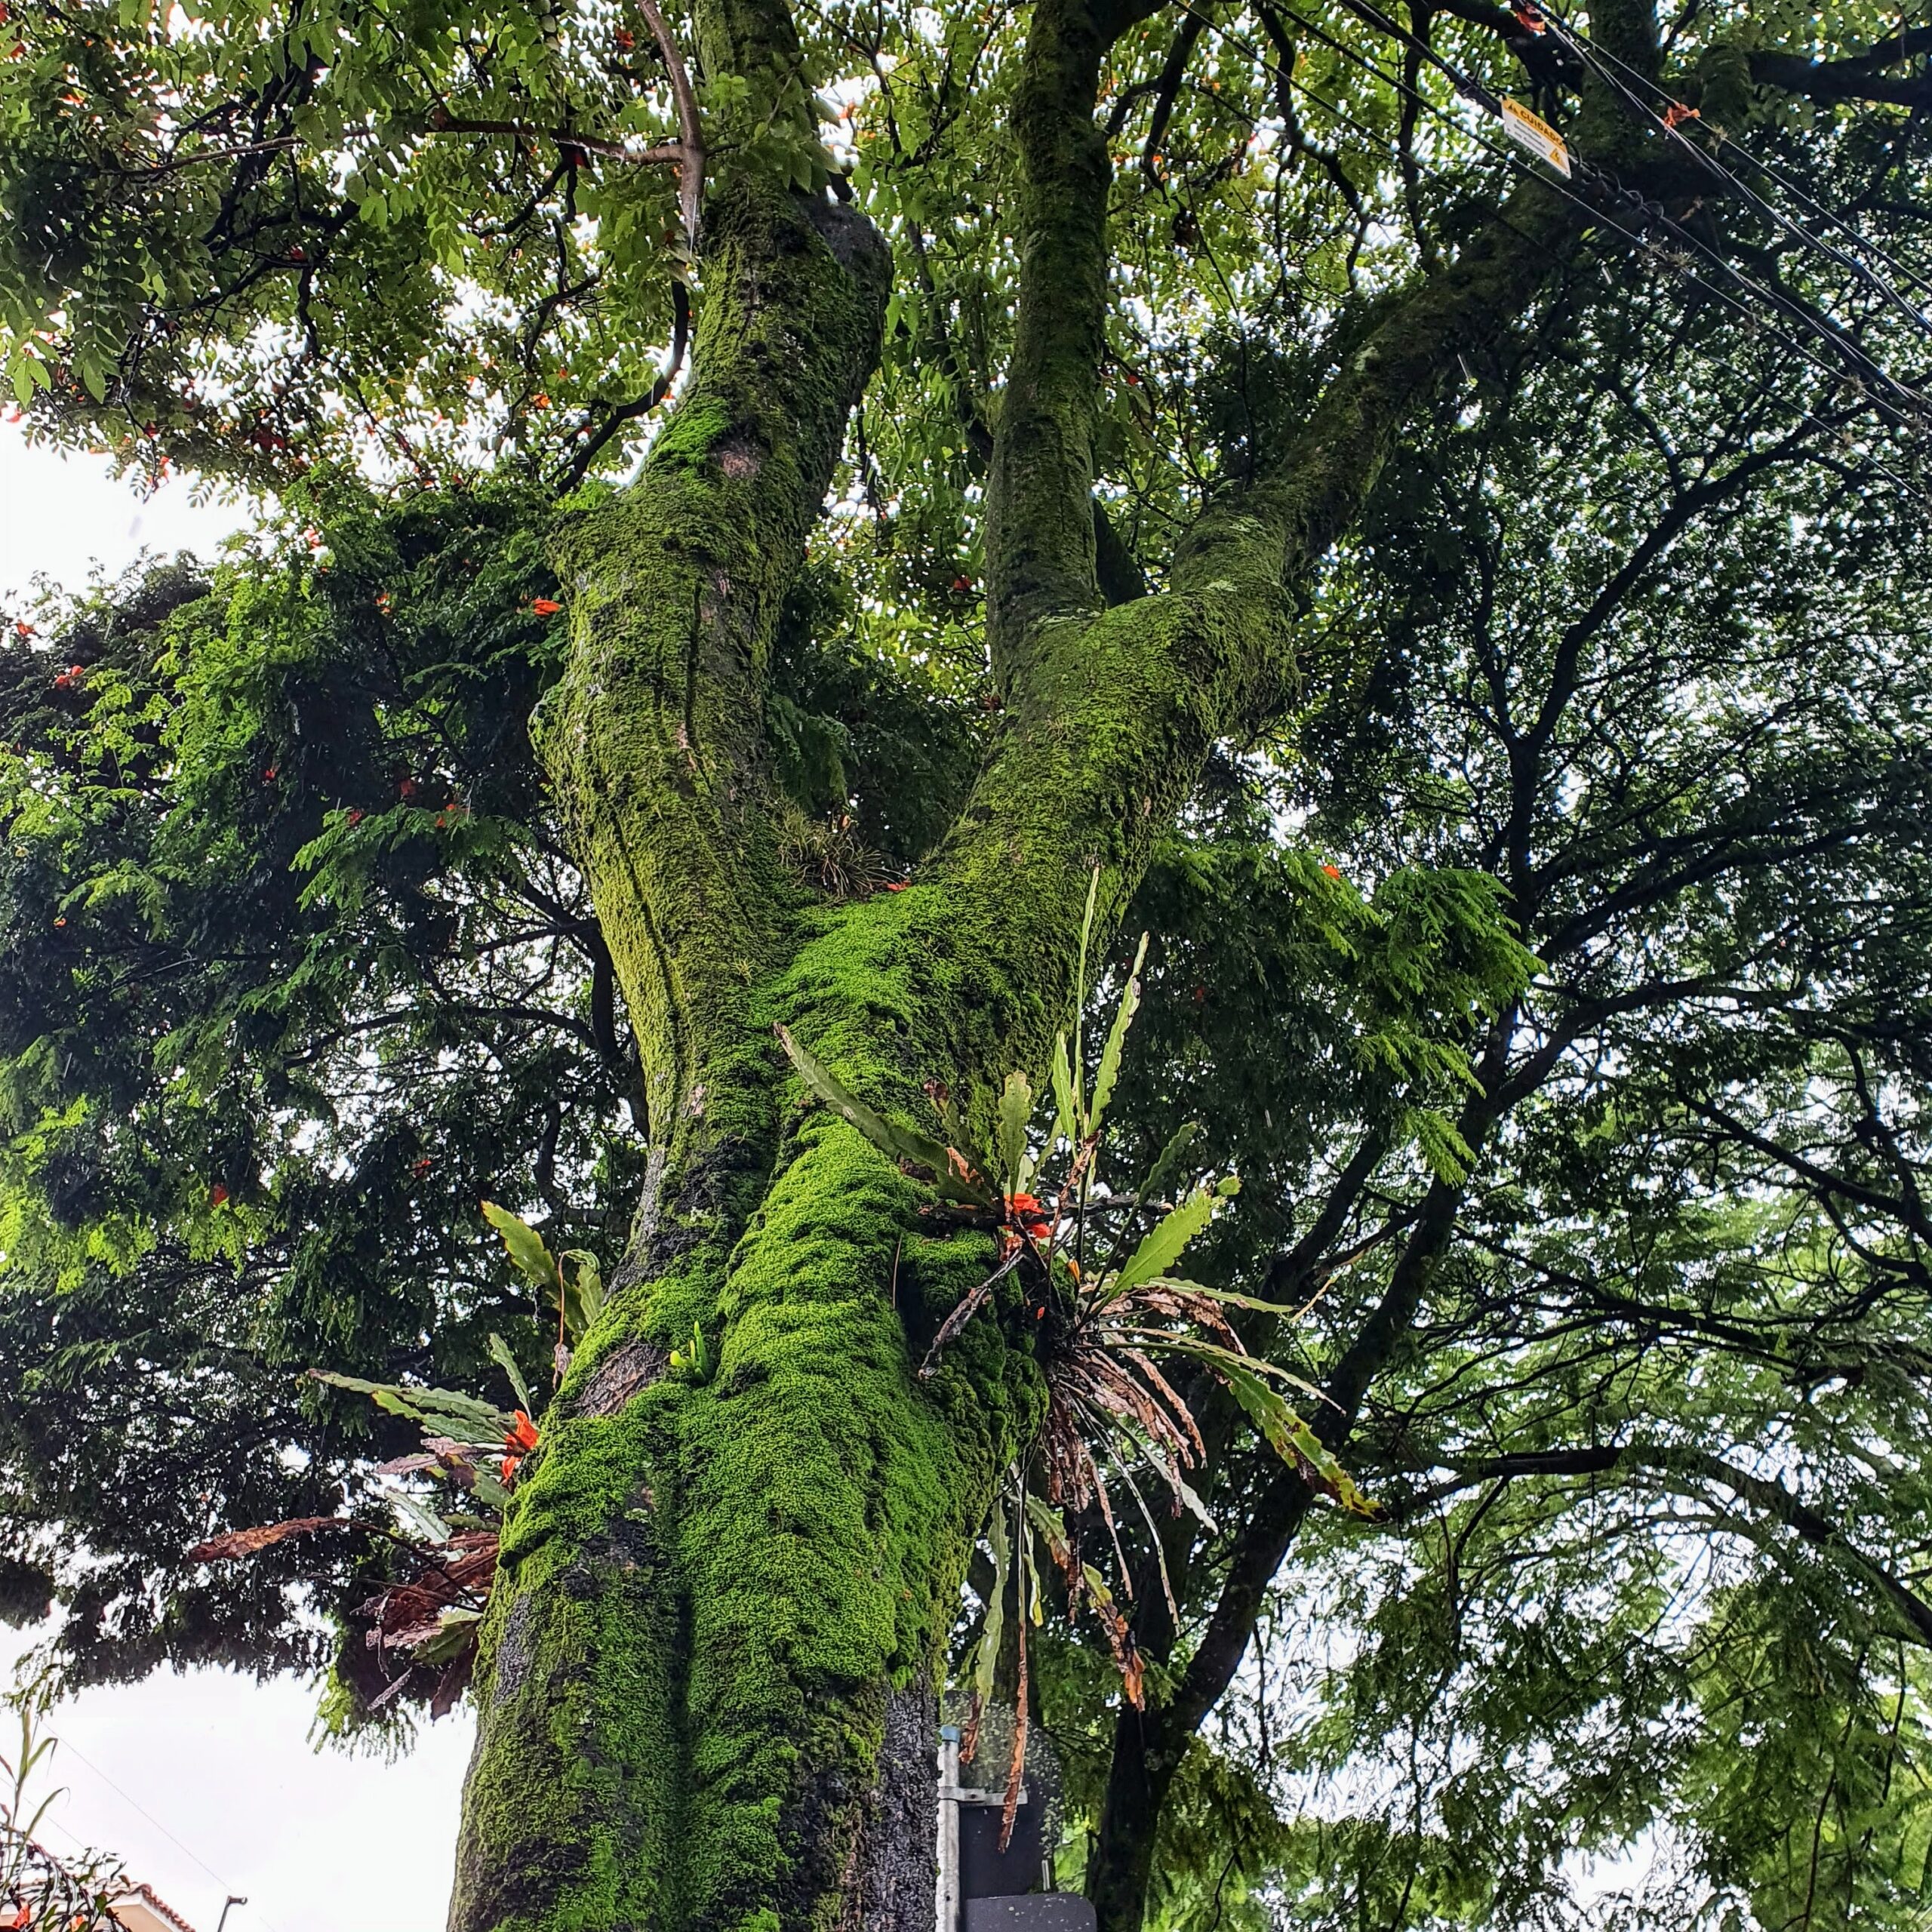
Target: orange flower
<point x="523" y="1436"/>
<point x="545" y="607"/>
<point x="1333" y="871"/>
<point x="507" y="1468"/>
<point x="217" y="1195"/>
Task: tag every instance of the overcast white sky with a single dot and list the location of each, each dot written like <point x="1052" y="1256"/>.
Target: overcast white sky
<point x="206" y="1783"/>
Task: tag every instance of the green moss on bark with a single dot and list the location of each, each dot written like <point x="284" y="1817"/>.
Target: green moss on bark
<point x="654" y="739"/>
<point x="711" y="1591"/>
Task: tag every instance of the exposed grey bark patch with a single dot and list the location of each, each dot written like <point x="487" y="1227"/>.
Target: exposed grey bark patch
<point x="740" y="457"/>
<point x="628" y="1368"/>
<point x="895" y="1888"/>
<point x="666" y="1227"/>
<point x="512" y="1663"/>
<point x="853" y="239"/>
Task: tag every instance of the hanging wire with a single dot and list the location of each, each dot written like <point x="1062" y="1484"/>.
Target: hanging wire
<point x="1917" y="407"/>
<point x="1537" y="17"/>
<point x="1580" y="42"/>
<point x="1598" y="61"/>
<point x="1607" y="180"/>
<point x="1376" y="146"/>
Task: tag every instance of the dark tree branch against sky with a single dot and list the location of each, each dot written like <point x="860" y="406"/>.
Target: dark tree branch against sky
<point x="794" y="536"/>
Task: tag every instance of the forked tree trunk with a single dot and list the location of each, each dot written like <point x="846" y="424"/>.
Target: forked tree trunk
<point x="707" y="1683"/>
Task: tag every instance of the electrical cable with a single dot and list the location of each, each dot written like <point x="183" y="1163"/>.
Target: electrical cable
<point x="1573" y="34"/>
<point x="74" y="1750"/>
<point x="1376" y="145"/>
<point x="1587" y="52"/>
<point x="1607" y="179"/>
<point x="1597" y="59"/>
<point x="1649" y="211"/>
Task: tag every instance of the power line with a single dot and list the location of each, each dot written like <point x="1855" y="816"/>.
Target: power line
<point x="1579" y="41"/>
<point x="1599" y="60"/>
<point x="134" y="1803"/>
<point x="1375" y="144"/>
<point x="1650" y="212"/>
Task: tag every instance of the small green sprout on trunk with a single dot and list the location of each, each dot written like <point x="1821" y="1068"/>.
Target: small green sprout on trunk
<point x="1105" y="1302"/>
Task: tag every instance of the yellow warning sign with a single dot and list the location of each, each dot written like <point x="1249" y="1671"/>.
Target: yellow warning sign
<point x="1531" y="131"/>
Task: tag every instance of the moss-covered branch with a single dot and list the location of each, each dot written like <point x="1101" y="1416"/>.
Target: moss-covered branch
<point x="1040" y="548"/>
<point x="707" y="1686"/>
<point x="654" y="739"/>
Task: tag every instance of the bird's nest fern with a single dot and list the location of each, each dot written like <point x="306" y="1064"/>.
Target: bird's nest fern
<point x="1098" y="1267"/>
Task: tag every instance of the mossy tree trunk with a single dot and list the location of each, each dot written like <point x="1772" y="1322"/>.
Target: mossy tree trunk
<point x="707" y="1686"/>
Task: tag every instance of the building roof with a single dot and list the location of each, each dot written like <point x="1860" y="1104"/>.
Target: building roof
<point x="141" y="1908"/>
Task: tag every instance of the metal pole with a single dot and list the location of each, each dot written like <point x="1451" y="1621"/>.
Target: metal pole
<point x="946" y="1913"/>
<point x="234" y="1899"/>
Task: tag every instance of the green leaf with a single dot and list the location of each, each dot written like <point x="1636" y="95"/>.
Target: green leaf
<point x="456" y="1631"/>
<point x="1016" y="1111"/>
<point x="532" y="1259"/>
<point x="1049" y="1523"/>
<point x="1294" y="1441"/>
<point x="995" y="1627"/>
<point x="415" y="1515"/>
<point x="486" y="1489"/>
<point x="1029" y="1579"/>
<point x="899" y="1144"/>
<point x="1448" y="1156"/>
<point x="499" y="1353"/>
<point x="1130" y="1001"/>
<point x="1215" y="1354"/>
<point x="1066" y="1121"/>
<point x="1080" y="995"/>
<point x="446" y="1411"/>
<point x="1162" y="1171"/>
<point x="694" y="1362"/>
<point x="1161" y="1246"/>
<point x="583" y="1292"/>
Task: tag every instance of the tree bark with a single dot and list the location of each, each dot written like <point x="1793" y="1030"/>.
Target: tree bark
<point x="706" y="1685"/>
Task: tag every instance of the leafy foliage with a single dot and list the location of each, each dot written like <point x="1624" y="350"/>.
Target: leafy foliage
<point x="1555" y="979"/>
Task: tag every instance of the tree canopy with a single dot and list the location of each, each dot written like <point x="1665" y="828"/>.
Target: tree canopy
<point x="1473" y="617"/>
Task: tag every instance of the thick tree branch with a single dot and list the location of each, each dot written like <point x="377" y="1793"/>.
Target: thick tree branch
<point x="1255" y="541"/>
<point x="655" y="737"/>
<point x="691" y="134"/>
<point x="1859" y="77"/>
<point x="1040" y="559"/>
